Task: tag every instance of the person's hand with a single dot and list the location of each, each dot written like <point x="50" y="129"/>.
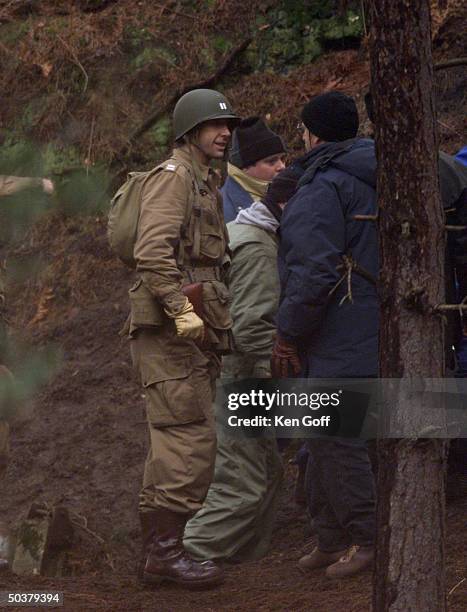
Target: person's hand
<point x="284" y="360"/>
<point x="188" y="324"/>
<point x="48" y="186"/>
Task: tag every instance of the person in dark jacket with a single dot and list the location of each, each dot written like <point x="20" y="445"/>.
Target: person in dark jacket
<point x="458" y="242"/>
<point x="322" y="331"/>
<point x="256" y="156"/>
<point x="453" y="188"/>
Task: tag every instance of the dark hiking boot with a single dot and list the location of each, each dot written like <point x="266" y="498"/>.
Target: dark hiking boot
<point x="358" y="559"/>
<point x="148" y="531"/>
<point x="168" y="560"/>
<point x="317" y="559"/>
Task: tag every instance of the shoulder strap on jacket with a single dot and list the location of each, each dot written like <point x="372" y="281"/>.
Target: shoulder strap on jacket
<point x="191" y="210"/>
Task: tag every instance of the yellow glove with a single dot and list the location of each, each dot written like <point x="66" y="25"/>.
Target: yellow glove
<point x="188" y="324"/>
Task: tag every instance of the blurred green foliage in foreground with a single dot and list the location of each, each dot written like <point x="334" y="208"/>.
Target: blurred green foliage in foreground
<point x="78" y="190"/>
<point x="36" y="369"/>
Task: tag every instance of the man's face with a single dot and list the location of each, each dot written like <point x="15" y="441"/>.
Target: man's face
<point x="267" y="168"/>
<point x="213" y="138"/>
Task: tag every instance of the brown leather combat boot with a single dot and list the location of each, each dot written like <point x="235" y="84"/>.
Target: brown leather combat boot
<point x="168" y="560"/>
<point x="358" y="559"/>
<point x="317" y="559"/>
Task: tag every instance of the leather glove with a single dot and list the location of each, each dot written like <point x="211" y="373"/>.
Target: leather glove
<point x="284" y="360"/>
<point x="188" y="324"/>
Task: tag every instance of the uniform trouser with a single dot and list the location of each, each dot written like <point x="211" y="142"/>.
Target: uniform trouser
<point x="179" y="385"/>
<point x="342" y="495"/>
<point x="237" y="519"/>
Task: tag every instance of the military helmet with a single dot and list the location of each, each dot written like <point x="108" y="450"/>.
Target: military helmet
<point x="198" y="106"/>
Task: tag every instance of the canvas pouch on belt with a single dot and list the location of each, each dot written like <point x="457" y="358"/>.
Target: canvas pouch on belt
<point x="210" y="300"/>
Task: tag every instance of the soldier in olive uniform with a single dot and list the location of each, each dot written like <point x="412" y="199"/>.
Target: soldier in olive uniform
<point x="181" y="240"/>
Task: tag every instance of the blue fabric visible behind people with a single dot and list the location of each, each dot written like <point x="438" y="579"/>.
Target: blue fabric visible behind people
<point x="317" y="229"/>
<point x="461" y="156"/>
<point x="234" y="198"/>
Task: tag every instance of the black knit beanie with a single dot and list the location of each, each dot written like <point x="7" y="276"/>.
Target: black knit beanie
<point x="253" y="140"/>
<point x="331" y="116"/>
<point x="281" y="189"/>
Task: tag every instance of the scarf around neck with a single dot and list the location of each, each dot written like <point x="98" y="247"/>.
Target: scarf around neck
<point x="255" y="187"/>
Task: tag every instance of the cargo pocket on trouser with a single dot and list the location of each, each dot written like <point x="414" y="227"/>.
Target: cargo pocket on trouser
<point x="180" y="466"/>
<point x="171" y="395"/>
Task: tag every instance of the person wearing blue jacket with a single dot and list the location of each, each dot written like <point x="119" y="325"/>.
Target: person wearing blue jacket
<point x="453" y="190"/>
<point x="461" y="157"/>
<point x="322" y="330"/>
<point x="256" y="156"/>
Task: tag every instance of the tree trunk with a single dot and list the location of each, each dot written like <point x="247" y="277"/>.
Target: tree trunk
<point x="409" y="574"/>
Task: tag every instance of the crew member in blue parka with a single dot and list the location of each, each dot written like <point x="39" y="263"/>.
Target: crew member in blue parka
<point x="321" y="332"/>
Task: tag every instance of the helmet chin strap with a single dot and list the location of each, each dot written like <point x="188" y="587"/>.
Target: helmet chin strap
<point x="193" y="144"/>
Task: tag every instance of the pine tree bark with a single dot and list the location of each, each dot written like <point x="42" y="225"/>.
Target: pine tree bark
<point x="409" y="572"/>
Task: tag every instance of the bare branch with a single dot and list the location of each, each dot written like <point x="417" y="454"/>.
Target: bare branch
<point x="223" y="68"/>
<point x="77" y="62"/>
<point x="365" y="217"/>
<point x="456" y="61"/>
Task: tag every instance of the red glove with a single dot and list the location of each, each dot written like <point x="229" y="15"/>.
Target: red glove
<point x="284" y="360"/>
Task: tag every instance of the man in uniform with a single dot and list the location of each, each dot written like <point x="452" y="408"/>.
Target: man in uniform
<point x="180" y="247"/>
